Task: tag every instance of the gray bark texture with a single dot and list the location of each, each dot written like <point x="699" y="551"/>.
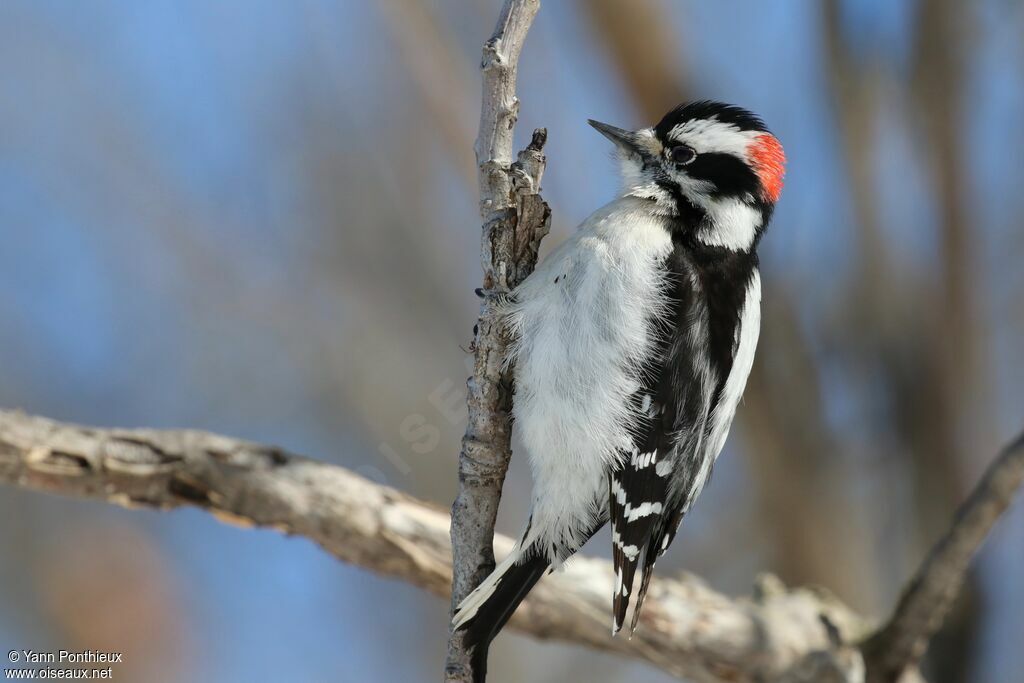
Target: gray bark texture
<point x="515" y="219"/>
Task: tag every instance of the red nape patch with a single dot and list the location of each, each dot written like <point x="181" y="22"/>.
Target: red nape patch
<point x="769" y="161"/>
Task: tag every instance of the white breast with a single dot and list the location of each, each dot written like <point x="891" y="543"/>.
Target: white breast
<point x="582" y="326"/>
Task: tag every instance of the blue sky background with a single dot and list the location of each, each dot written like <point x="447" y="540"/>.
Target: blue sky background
<point x="242" y="216"/>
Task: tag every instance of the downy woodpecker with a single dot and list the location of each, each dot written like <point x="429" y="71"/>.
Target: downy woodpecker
<point x="632" y="342"/>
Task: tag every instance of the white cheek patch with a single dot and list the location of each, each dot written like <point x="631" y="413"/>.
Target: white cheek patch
<point x="731" y="224"/>
<point x="711" y="135"/>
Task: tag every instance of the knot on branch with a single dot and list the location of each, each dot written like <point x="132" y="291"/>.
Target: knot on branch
<point x="482" y="462"/>
<point x="58" y="462"/>
<point x="191" y="490"/>
<point x="127" y="455"/>
<point x="252" y="456"/>
<point x="529" y="166"/>
<point x="492" y="57"/>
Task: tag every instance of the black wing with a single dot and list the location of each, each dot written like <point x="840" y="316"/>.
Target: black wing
<point x="676" y="396"/>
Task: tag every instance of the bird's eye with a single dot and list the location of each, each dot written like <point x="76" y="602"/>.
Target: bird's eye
<point x="682" y="155"/>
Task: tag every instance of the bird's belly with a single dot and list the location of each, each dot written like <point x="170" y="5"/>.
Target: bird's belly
<point x="581" y="340"/>
<point x="570" y="409"/>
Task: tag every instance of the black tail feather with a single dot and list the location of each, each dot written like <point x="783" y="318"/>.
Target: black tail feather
<point x="642" y="593"/>
<point x="623" y="586"/>
<point x="662" y="539"/>
<point x="498" y="608"/>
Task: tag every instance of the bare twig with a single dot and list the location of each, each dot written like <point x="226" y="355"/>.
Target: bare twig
<point x="688" y="630"/>
<point x="515" y="220"/>
<point x="928" y="597"/>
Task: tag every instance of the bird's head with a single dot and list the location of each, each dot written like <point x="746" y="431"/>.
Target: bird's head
<point x="713" y="165"/>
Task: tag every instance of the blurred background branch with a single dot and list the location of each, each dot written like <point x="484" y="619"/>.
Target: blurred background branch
<point x="926" y="601"/>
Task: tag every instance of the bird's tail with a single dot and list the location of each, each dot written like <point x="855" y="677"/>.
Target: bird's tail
<point x="483" y="613"/>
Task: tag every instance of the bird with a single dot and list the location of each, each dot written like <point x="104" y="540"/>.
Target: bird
<point x="630" y="347"/>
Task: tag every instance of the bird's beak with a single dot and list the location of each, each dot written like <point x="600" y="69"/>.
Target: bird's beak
<point x="624" y="139"/>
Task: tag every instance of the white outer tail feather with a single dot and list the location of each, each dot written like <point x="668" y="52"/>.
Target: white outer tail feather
<point x="472" y="603"/>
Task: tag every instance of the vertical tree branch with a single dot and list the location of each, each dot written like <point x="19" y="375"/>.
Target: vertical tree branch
<point x="515" y="220"/>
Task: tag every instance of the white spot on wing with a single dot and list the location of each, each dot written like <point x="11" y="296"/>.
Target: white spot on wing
<point x="618" y="492"/>
<point x="642" y="510"/>
<point x="641" y="460"/>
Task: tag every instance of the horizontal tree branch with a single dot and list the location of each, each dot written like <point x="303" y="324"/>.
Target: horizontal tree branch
<point x="688" y="629"/>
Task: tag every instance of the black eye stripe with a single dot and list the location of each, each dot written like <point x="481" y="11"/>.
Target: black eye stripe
<point x="730" y="176"/>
